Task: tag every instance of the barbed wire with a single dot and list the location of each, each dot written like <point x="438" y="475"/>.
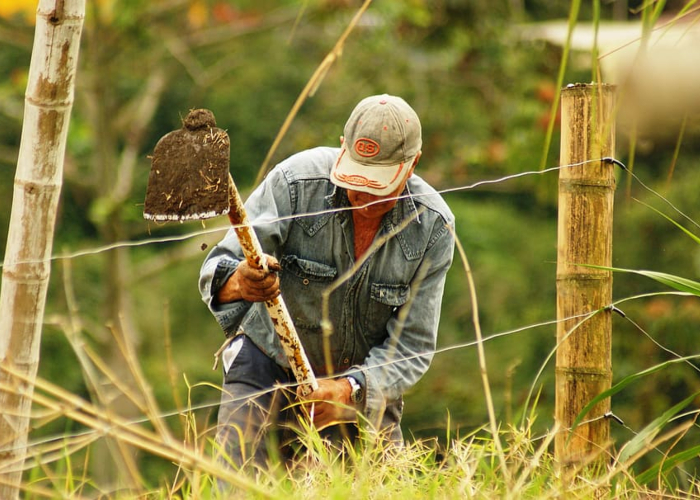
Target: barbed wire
<point x="659" y="345"/>
<point x="466" y="187"/>
<point x="652" y="191"/>
<point x="438" y="351"/>
<point x="260" y="222"/>
<point x="291" y="387"/>
<point x="611" y="416"/>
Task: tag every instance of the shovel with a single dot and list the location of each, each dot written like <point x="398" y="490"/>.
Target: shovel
<point x="190" y="180"/>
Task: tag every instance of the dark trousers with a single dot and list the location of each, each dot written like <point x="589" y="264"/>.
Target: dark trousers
<point x="258" y="417"/>
<point x="255" y="416"/>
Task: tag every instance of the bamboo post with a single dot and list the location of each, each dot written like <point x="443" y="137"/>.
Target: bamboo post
<point x="37" y="189"/>
<point x="586" y="189"/>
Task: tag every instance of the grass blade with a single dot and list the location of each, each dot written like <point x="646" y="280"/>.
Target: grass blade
<point x="670" y="280"/>
<point x="625" y="382"/>
<point x="686" y="231"/>
<point x="647" y="435"/>
<point x="666" y="465"/>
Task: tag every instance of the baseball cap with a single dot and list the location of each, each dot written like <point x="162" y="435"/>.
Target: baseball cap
<point x="382" y="138"/>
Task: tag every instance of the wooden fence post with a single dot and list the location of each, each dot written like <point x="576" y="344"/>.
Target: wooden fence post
<point x="37" y="189"/>
<point x="586" y="189"/>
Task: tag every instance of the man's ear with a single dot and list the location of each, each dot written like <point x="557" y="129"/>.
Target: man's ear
<point x="415" y="162"/>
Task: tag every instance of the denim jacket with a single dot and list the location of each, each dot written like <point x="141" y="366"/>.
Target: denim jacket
<point x="384" y="317"/>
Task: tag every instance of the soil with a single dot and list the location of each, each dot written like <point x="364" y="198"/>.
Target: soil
<point x="189" y="172"/>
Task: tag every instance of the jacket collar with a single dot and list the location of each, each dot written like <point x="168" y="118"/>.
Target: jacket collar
<point x="404" y="208"/>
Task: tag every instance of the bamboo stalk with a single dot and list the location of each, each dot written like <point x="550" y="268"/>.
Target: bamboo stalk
<point x="37" y="188"/>
<point x="583" y="365"/>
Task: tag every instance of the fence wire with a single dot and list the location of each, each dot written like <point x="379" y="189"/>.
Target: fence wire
<point x="40" y="444"/>
<point x="205" y="232"/>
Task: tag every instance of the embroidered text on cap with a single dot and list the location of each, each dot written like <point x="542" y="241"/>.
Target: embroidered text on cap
<point x="366" y="147"/>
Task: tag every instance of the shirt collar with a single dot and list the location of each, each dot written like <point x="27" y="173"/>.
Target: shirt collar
<point x="405" y="208"/>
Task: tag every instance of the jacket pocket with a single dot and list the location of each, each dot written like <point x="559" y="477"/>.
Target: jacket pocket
<point x="386" y="299"/>
<point x="303" y="282"/>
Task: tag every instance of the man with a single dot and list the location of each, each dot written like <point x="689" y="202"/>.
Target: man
<point x="317" y="215"/>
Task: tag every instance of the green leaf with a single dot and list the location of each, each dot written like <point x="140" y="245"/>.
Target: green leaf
<point x="666" y="465"/>
<point x="647" y="435"/>
<point x="624" y="383"/>
<point x="677" y="282"/>
<point x="670" y="280"/>
<point x="686" y="231"/>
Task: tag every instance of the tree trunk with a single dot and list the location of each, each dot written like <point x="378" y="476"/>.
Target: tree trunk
<point x="37" y="188"/>
<point x="583" y="367"/>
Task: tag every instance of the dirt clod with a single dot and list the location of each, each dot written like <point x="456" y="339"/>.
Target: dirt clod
<point x="189" y="171"/>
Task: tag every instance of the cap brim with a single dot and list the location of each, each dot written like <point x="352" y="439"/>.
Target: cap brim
<point x="379" y="180"/>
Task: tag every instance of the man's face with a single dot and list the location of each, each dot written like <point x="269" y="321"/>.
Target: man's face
<point x="378" y="208"/>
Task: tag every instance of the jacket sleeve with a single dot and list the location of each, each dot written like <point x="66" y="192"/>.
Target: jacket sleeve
<point x="265" y="207"/>
<point x="397" y="364"/>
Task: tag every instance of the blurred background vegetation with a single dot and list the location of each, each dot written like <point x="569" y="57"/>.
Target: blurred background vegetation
<point x="483" y="76"/>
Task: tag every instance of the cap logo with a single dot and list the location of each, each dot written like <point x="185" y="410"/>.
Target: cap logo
<point x="366" y="147"/>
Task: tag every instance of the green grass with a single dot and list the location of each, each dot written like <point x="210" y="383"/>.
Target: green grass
<point x="165" y="457"/>
<point x="467" y="467"/>
<point x="175" y="458"/>
<point x="159" y="456"/>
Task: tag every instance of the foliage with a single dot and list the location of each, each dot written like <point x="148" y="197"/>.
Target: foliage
<point x="463" y="467"/>
<point x="487" y="98"/>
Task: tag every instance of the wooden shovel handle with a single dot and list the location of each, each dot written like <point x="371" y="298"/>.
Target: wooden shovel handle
<point x="276" y="307"/>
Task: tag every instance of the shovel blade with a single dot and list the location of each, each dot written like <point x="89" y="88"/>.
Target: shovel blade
<point x="189" y="172"/>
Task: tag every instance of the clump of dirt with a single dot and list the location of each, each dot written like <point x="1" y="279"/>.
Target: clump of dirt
<point x="189" y="171"/>
<point x="199" y="118"/>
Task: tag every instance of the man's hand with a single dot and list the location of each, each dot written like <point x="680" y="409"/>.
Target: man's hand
<point x="253" y="285"/>
<point x="330" y="403"/>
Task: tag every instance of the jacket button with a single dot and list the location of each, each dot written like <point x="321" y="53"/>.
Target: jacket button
<point x="305" y="281"/>
<point x="346" y="361"/>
